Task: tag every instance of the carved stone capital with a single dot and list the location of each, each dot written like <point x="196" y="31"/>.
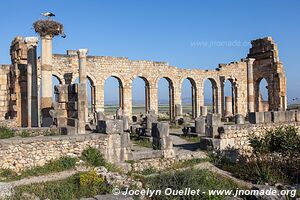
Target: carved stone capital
<point x="82" y="53"/>
<point x="31" y="41"/>
<point x="250" y="61"/>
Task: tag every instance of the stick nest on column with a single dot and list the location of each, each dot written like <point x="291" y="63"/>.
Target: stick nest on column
<point x="48" y="27"/>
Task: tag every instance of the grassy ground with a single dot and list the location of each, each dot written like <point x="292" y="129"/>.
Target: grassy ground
<point x="190" y="178"/>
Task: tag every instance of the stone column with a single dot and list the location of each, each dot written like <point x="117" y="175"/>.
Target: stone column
<point x="228" y="106"/>
<point x="99" y="101"/>
<point x="82" y="93"/>
<point x="147" y="98"/>
<point x="250" y="84"/>
<point x="153" y="98"/>
<point x="127" y="97"/>
<point x="32" y="86"/>
<point x="194" y="102"/>
<point x="46" y="97"/>
<point x="82" y="53"/>
<point x="121" y="100"/>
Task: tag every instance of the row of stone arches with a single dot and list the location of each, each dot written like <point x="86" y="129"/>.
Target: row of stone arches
<point x="211" y="92"/>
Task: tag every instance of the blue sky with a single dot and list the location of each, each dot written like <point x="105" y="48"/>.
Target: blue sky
<point x="164" y="30"/>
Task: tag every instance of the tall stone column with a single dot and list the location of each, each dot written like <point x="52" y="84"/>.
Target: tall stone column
<point x="127" y="97"/>
<point x="153" y="93"/>
<point x="32" y="86"/>
<point x="46" y="97"/>
<point x="250" y="84"/>
<point x="82" y="53"/>
<point x="99" y="101"/>
<point x="82" y="93"/>
<point x="47" y="29"/>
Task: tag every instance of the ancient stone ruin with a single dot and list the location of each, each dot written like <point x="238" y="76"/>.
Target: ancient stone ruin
<point x="26" y="100"/>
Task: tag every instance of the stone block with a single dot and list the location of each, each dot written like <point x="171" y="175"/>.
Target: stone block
<point x="278" y="116"/>
<point x="212" y="131"/>
<point x="161" y="137"/>
<point x="101" y="126"/>
<point x="6" y="190"/>
<point x="160" y="130"/>
<point x="110" y="126"/>
<point x="216" y="144"/>
<point x="200" y="125"/>
<point x="290" y="116"/>
<point x="213" y="119"/>
<point x="239" y="119"/>
<point x="256" y="117"/>
<point x="268" y="117"/>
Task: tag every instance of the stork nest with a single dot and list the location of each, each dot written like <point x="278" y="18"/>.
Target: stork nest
<point x="48" y="27"/>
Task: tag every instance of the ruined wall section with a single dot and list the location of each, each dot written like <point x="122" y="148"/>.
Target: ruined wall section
<point x="4" y="91"/>
<point x="99" y="68"/>
<point x="267" y="65"/>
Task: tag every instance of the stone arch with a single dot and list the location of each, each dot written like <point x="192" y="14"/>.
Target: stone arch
<point x="194" y="92"/>
<point x="91" y="92"/>
<point x="147" y="90"/>
<point x="58" y="80"/>
<point x="214" y="94"/>
<point x="171" y="95"/>
<point x="121" y="82"/>
<point x="262" y="104"/>
<point x="228" y="101"/>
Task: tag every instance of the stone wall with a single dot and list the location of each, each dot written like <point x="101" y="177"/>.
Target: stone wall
<point x="99" y="68"/>
<point x="268" y="66"/>
<point x="4" y="91"/>
<point x="239" y="133"/>
<point x="20" y="153"/>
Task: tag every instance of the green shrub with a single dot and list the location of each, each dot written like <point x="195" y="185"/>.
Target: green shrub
<point x="91" y="184"/>
<point x="148" y="171"/>
<point x="285" y="140"/>
<point x="6" y="133"/>
<point x="93" y="157"/>
<point x="7" y="173"/>
<point x="25" y="134"/>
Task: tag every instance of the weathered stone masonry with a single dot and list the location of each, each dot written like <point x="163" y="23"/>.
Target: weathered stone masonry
<point x="20" y="153"/>
<point x="245" y="75"/>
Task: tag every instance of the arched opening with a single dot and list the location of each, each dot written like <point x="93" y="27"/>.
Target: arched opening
<point x="165" y="98"/>
<point x="262" y="97"/>
<point x="90" y="89"/>
<point x="228" y="100"/>
<point x="188" y="97"/>
<point x="210" y="95"/>
<point x="55" y="81"/>
<point x="140" y="96"/>
<point x="113" y="95"/>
